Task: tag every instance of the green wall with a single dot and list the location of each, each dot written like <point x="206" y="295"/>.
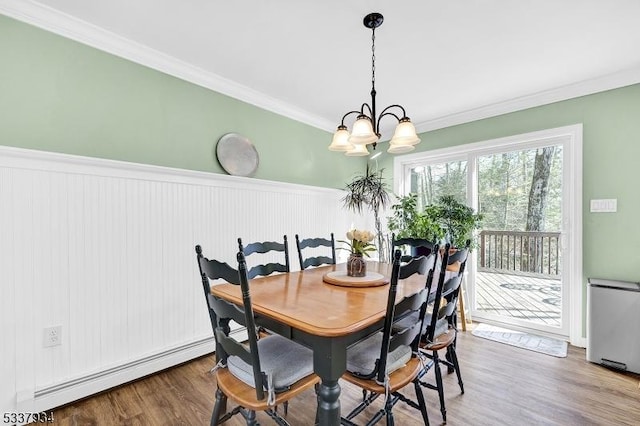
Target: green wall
<point x="59" y="95"/>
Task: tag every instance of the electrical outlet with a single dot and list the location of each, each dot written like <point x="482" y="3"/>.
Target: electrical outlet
<point x="52" y="336"/>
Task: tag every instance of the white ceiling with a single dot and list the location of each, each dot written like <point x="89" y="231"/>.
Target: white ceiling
<point x="446" y="62"/>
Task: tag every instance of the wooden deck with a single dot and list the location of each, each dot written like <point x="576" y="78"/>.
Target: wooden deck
<point x="536" y="299"/>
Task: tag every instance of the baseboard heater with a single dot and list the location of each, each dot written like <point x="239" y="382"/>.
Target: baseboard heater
<point x="66" y="392"/>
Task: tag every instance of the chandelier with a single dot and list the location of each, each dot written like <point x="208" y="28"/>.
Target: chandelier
<point x="366" y="128"/>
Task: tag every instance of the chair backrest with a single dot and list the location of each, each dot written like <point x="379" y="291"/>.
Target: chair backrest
<point x="418" y="246"/>
<point x="410" y="331"/>
<point x="222" y="312"/>
<point x="266" y="247"/>
<point x="210" y="270"/>
<point x="316" y="260"/>
<point x="451" y="287"/>
<point x="447" y="288"/>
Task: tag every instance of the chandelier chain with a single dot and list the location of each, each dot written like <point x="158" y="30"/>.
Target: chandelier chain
<point x="373" y="58"/>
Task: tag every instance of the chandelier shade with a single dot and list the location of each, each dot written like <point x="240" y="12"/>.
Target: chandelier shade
<point x="358" y="151"/>
<point x="366" y="128"/>
<point x="362" y="133"/>
<point x="405" y="134"/>
<point x="400" y="149"/>
<point x="340" y="140"/>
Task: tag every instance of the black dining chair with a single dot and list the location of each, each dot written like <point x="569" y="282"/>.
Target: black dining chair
<point x="416" y="246"/>
<point x="457" y="262"/>
<point x="263" y="372"/>
<point x="320" y="259"/>
<point x="271" y="249"/>
<point x="386" y="362"/>
<point x="440" y="326"/>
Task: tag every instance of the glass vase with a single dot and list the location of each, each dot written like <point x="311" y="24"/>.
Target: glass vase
<point x="356" y="266"/>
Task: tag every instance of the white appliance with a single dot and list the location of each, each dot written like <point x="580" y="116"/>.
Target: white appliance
<point x="613" y="324"/>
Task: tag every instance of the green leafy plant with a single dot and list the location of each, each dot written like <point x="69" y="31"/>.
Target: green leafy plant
<point x="445" y="220"/>
<point x="457" y="220"/>
<point x="407" y="221"/>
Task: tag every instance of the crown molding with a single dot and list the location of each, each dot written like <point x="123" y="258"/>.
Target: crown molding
<point x="575" y="90"/>
<point x="83" y="32"/>
<point x="73" y="28"/>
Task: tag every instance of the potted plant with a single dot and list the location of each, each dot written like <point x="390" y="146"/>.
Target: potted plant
<point x="359" y="245"/>
<point x="457" y="220"/>
<point x="445" y="221"/>
<point x="369" y="190"/>
<point x="407" y="221"/>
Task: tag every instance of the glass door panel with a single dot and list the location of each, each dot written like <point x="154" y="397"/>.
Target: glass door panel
<point x="519" y="261"/>
<point x="431" y="181"/>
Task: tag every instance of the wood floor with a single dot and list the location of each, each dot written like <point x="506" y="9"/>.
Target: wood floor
<point x="503" y="386"/>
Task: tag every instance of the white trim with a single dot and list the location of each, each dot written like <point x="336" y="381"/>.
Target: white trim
<point x="523" y="140"/>
<point x="574" y="235"/>
<point x="30" y="159"/>
<point x="83" y="32"/>
<point x="73" y="28"/>
<point x="572" y="202"/>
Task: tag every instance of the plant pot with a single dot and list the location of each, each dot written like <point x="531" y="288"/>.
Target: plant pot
<point x="356" y="266"/>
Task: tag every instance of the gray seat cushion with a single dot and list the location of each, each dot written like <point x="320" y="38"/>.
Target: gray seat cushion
<point x="361" y="358"/>
<point x="286" y="362"/>
<point x="441" y="325"/>
<point x="406" y="322"/>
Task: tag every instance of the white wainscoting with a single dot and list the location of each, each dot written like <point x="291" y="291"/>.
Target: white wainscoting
<point x="105" y="249"/>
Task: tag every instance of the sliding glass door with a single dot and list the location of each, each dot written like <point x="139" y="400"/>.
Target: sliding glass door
<point x="518" y="275"/>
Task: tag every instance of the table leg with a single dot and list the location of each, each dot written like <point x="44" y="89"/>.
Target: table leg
<point x="329" y="403"/>
<point x="329" y="362"/>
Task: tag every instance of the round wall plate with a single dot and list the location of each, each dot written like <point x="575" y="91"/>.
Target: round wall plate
<point x="237" y="155"/>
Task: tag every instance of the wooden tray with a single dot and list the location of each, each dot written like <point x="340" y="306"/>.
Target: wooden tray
<point x="372" y="279"/>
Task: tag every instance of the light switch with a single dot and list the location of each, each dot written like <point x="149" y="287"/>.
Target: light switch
<point x="604" y="205"/>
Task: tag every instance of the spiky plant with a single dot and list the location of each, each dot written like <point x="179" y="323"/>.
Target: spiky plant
<point x="369" y="190"/>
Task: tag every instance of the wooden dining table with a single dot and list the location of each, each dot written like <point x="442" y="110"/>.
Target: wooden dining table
<point x="325" y="317"/>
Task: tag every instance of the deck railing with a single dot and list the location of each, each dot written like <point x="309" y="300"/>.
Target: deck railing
<point x="525" y="252"/>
